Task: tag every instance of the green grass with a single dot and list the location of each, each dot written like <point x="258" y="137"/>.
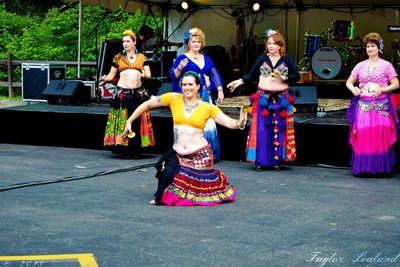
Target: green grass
<point x="17" y="98"/>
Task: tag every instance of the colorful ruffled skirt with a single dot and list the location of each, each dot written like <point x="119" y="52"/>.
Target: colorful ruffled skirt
<point x="197" y="183"/>
<point x="271" y="138"/>
<point x="123" y="103"/>
<point x="373" y="133"/>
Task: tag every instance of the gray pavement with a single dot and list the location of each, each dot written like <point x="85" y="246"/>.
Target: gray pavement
<point x="12" y="103"/>
<point x="67" y="201"/>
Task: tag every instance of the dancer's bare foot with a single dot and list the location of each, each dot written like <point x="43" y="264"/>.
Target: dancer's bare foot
<point x="153" y="202"/>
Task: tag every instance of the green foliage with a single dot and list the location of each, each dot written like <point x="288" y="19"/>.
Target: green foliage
<point x="17" y="98"/>
<point x="54" y="35"/>
<point x="30" y="7"/>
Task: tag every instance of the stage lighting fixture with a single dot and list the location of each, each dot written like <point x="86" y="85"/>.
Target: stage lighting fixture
<point x="183" y="6"/>
<point x="254" y="5"/>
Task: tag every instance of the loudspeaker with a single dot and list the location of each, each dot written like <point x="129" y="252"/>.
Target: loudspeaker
<point x="306" y="99"/>
<point x="109" y="49"/>
<point x="220" y="59"/>
<point x="160" y="64"/>
<point x="66" y="92"/>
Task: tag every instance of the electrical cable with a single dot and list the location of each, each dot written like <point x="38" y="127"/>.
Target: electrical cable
<point x="75" y="178"/>
<point x="326" y="166"/>
<point x="225" y="17"/>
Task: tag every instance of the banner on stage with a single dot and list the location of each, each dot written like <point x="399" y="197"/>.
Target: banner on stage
<point x="393" y="28"/>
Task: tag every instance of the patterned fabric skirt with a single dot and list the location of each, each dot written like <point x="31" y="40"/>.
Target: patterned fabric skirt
<point x="197" y="183"/>
<point x="271" y="138"/>
<point x="372" y="137"/>
<point x="123" y="103"/>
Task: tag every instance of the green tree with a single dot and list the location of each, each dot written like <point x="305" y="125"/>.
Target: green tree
<point x="54" y="35"/>
<point x="30" y="7"/>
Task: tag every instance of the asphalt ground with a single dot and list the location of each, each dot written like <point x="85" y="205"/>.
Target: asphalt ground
<point x="66" y="201"/>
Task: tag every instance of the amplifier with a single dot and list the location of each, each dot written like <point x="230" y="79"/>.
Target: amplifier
<point x="306" y="99"/>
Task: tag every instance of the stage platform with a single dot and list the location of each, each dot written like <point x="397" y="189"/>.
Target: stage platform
<point x="319" y="140"/>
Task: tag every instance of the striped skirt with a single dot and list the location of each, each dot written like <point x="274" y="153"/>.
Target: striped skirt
<point x="123" y="104"/>
<point x="197" y="183"/>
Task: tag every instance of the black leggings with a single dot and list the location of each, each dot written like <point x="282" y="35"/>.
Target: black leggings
<point x="166" y="169"/>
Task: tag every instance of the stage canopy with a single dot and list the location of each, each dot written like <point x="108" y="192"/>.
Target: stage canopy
<point x="133" y="5"/>
<point x="293" y="18"/>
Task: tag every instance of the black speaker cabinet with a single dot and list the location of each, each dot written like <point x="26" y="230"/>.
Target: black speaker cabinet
<point x="220" y="59"/>
<point x="160" y="63"/>
<point x="109" y="49"/>
<point x="306" y="99"/>
<point x="36" y="76"/>
<point x="66" y="92"/>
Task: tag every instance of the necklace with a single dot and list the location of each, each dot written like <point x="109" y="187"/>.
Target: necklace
<point x="370" y="73"/>
<point x="195" y="58"/>
<point x="131" y="56"/>
<point x="371" y="65"/>
<point x="188" y="107"/>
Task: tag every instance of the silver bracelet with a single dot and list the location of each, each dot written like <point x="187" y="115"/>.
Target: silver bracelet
<point x="238" y="124"/>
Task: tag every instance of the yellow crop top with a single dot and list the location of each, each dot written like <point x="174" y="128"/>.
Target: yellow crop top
<point x="122" y="63"/>
<point x="199" y="116"/>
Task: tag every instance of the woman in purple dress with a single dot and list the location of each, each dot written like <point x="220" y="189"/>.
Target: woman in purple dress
<point x="372" y="112"/>
<point x="194" y="60"/>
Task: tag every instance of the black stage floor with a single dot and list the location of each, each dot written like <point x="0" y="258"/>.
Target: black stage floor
<point x="319" y="140"/>
<point x="71" y="203"/>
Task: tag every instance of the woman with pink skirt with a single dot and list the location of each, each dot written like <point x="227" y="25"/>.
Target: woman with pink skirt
<point x="372" y="112"/>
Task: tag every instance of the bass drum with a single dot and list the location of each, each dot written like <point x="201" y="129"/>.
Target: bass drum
<point x="327" y="62"/>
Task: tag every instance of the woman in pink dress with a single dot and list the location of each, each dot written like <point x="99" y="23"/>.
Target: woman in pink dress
<point x="372" y="112"/>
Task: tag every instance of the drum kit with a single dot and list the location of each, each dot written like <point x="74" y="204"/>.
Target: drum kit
<point x="329" y="60"/>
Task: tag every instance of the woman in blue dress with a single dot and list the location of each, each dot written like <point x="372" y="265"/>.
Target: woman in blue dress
<point x="194" y="60"/>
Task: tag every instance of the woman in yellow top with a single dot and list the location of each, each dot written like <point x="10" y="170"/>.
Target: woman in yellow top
<point x="132" y="68"/>
<point x="195" y="181"/>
